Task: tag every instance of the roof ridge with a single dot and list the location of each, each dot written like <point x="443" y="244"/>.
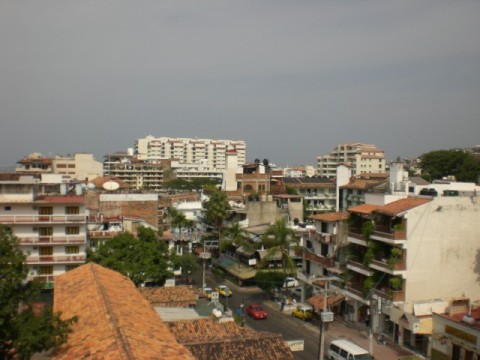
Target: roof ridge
<point x="118" y="333"/>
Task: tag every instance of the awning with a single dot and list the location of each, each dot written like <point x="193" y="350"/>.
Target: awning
<point x="236" y="268"/>
<point x="245" y="251"/>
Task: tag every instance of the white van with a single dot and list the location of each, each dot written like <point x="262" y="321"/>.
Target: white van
<point x="342" y="349"/>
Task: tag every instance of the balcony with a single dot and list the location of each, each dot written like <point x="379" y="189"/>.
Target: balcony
<point x="393" y="295"/>
<point x="103" y="234"/>
<point x="321" y="237"/>
<point x="318" y="259"/>
<point x="56" y="240"/>
<point x="389" y="235"/>
<point x="383" y="265"/>
<point x="36" y="219"/>
<point x="355" y="291"/>
<point x="355" y="265"/>
<point x="62" y="259"/>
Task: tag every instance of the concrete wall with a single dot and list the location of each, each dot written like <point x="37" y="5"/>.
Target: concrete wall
<point x="443" y="250"/>
<point x="261" y="212"/>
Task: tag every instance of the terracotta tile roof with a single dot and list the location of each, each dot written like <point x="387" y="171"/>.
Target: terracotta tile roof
<point x="61" y="199"/>
<point x="114" y="320"/>
<point x="171" y="296"/>
<point x="362" y="184"/>
<point x="402" y="205"/>
<point x="364" y="209"/>
<point x="331" y="217"/>
<point x="318" y="300"/>
<point x="210" y="339"/>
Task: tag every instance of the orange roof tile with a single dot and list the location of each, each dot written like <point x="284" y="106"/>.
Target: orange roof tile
<point x="211" y="339"/>
<point x="318" y="300"/>
<point x="364" y="209"/>
<point x="171" y="296"/>
<point x="114" y="320"/>
<point x="330" y="217"/>
<point x="402" y="205"/>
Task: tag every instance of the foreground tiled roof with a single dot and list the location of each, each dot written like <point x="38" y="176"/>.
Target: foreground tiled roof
<point x="402" y="205"/>
<point x="330" y="217"/>
<point x="114" y="320"/>
<point x="172" y="296"/>
<point x="210" y="339"/>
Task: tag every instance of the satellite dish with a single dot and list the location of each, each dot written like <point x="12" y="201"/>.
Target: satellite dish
<point x="216" y="313"/>
<point x="90" y="186"/>
<point x="111" y="185"/>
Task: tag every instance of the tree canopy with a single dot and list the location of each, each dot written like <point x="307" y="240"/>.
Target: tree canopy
<point x="442" y="163"/>
<point x="23" y="330"/>
<point x="142" y="258"/>
<point x="279" y="239"/>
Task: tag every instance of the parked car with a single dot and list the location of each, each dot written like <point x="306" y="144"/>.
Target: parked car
<point x="256" y="311"/>
<point x="223" y="290"/>
<point x="290" y="282"/>
<point x="342" y="349"/>
<point x="303" y="311"/>
<point x="208" y="292"/>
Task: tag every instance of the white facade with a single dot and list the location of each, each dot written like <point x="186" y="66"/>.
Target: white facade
<point x="187" y="150"/>
<point x="77" y="167"/>
<point x="50" y="225"/>
<point x="363" y="158"/>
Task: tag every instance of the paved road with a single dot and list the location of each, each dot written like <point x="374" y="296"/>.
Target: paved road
<point x="295" y="329"/>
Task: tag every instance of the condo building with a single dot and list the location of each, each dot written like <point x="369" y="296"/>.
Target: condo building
<point x="362" y="158"/>
<point x="49" y="219"/>
<point x="190" y="151"/>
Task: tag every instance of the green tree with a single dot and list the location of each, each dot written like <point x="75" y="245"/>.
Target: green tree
<point x="234" y="236"/>
<point x="178" y="220"/>
<point x="24" y="332"/>
<point x="187" y="262"/>
<point x="438" y="164"/>
<point x="279" y="239"/>
<point x="269" y="280"/>
<point x="142" y="258"/>
<point x="216" y="211"/>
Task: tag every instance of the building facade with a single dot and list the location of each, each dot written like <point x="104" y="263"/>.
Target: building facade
<point x="362" y="158"/>
<point x="187" y="150"/>
<point x="49" y="222"/>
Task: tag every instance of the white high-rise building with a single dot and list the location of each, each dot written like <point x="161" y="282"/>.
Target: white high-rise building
<point x="363" y="158"/>
<point x="187" y="150"/>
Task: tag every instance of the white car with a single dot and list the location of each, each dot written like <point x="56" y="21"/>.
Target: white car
<point x="290" y="282"/>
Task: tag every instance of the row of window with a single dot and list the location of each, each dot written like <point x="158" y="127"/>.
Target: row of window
<point x="48" y="210"/>
<point x="48" y="230"/>
<point x="48" y="250"/>
<point x="48" y="269"/>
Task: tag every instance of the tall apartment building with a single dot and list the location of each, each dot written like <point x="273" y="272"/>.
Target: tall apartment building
<point x="72" y="167"/>
<point x="187" y="150"/>
<point x="362" y="158"/>
<point x="49" y="221"/>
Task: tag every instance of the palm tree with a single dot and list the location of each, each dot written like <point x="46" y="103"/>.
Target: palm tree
<point x="216" y="211"/>
<point x="280" y="239"/>
<point x="177" y="219"/>
<point x="235" y="235"/>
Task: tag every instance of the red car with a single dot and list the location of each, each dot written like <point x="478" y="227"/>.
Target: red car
<point x="256" y="311"/>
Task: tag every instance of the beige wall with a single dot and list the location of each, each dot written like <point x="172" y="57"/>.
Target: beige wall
<point x="443" y="250"/>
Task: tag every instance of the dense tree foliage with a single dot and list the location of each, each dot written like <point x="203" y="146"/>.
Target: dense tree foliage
<point x="269" y="280"/>
<point x="279" y="239"/>
<point x="438" y="164"/>
<point x="234" y="236"/>
<point x="191" y="185"/>
<point x="216" y="211"/>
<point x="24" y="331"/>
<point x="142" y="258"/>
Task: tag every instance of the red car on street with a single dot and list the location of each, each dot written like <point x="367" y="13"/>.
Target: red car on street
<point x="256" y="311"/>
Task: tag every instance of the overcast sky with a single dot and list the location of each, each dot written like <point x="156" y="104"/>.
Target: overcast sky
<point x="291" y="78"/>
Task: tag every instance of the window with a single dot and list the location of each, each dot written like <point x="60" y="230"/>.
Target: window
<point x="72" y="249"/>
<point x="72" y="210"/>
<point x="45" y="210"/>
<point x="72" y="230"/>
<point x="45" y="251"/>
<point x="7" y="208"/>
<point x="45" y="270"/>
<point x="45" y="231"/>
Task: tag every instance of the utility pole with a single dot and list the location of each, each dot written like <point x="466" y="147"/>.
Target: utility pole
<point x="326" y="316"/>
